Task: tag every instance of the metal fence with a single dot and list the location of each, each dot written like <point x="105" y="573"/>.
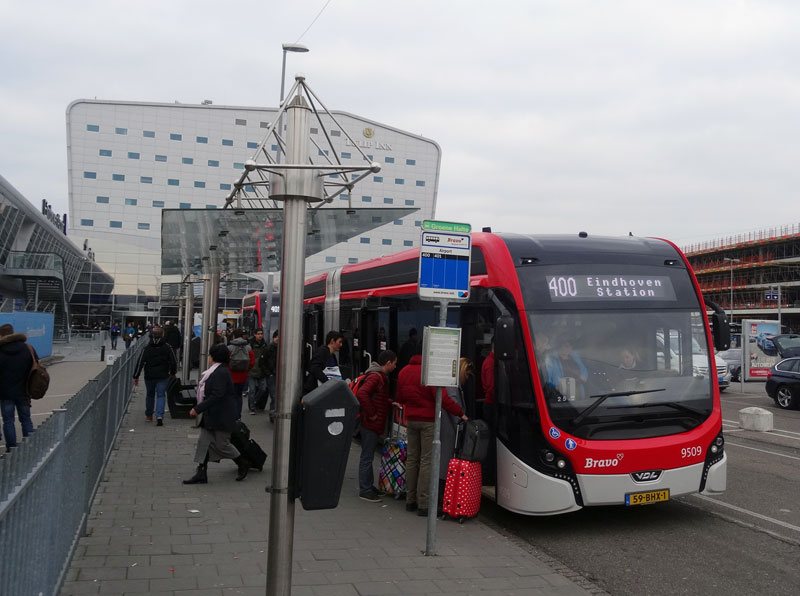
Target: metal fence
<point x="48" y="482"/>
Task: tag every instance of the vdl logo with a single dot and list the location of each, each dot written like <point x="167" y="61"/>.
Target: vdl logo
<point x="646" y="475"/>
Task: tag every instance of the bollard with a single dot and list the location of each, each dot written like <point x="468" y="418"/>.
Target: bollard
<point x="755" y="419"/>
<point x="103" y="353"/>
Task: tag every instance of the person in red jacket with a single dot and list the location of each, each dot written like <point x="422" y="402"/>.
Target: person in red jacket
<point x="373" y="397"/>
<point x="420" y="404"/>
<point x="240" y="376"/>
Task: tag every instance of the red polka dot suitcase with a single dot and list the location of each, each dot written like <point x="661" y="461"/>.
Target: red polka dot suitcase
<point x="462" y="489"/>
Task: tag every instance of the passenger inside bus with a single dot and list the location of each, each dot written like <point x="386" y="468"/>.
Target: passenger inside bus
<point x="566" y="373"/>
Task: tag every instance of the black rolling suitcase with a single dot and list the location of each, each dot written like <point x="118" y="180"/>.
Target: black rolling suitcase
<point x="475" y="443"/>
<point x="240" y="438"/>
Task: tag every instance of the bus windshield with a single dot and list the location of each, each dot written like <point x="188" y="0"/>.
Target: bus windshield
<point x="648" y="368"/>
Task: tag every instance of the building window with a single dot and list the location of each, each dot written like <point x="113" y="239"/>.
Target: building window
<point x="388" y="201"/>
<point x="150" y="134"/>
<point x="264" y="124"/>
<point x="211" y="206"/>
<point x="366" y="199"/>
<point x="314" y="130"/>
<point x="121" y="131"/>
<point x="249" y="188"/>
<point x="330" y="259"/>
<point x="364" y="240"/>
<point x="352" y="260"/>
<point x="224" y="186"/>
<point x="105" y="152"/>
<point x="146" y="179"/>
<point x="336" y="133"/>
<point x="143" y="226"/>
<point x="185" y="205"/>
<point x="158" y="203"/>
<point x="398" y="222"/>
<point x="399" y="181"/>
<point x="203" y="140"/>
<point x="133" y="155"/>
<point x="174" y="136"/>
<point x="102" y="199"/>
<point x="118" y="177"/>
<point x="369" y="157"/>
<point x="87" y="222"/>
<point x="420" y="183"/>
<point x="227" y="142"/>
<point x="344" y="197"/>
<point x="376" y="219"/>
<point x="173" y="182"/>
<point x="199" y="184"/>
<point x="213" y="163"/>
<point x="92" y="128"/>
<point x="411" y="162"/>
<point x="389" y="159"/>
<point x="115" y="224"/>
<point x="241" y="122"/>
<point x="238" y="165"/>
<point x="187" y="160"/>
<point x="274" y="148"/>
<point x="346" y="155"/>
<point x="386" y="242"/>
<point x="377" y="178"/>
<point x="410" y="202"/>
<point x="408" y="243"/>
<point x="131" y="201"/>
<point x="161" y="158"/>
<point x="418" y="223"/>
<point x="252" y="145"/>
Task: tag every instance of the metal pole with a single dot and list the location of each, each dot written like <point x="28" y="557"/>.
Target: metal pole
<point x="279" y="132"/>
<point x="436" y="455"/>
<point x="780" y="328"/>
<point x="188" y="320"/>
<point x="731" y="317"/>
<point x="295" y="188"/>
<point x="204" y="336"/>
<point x="214" y="297"/>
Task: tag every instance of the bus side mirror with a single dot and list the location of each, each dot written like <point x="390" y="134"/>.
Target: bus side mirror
<point x="720" y="328"/>
<point x="504" y="338"/>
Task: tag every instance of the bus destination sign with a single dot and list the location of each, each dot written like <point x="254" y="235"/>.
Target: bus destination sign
<point x="444" y="259"/>
<point x="622" y="287"/>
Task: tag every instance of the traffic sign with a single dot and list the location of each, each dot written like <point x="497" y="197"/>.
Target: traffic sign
<point x="444" y="261"/>
<point x="771" y="295"/>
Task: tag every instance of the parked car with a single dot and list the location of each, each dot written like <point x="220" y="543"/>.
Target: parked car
<point x="783" y="383"/>
<point x="787" y="344"/>
<point x="733" y="358"/>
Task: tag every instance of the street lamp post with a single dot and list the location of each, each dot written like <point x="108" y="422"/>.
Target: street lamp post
<point x="287" y="47"/>
<point x="730" y="317"/>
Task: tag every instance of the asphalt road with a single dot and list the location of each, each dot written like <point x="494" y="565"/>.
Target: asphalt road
<point x="741" y="543"/>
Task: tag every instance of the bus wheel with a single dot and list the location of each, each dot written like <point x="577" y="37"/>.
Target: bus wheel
<point x="785" y="398"/>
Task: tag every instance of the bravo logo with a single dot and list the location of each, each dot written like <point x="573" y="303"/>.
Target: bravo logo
<point x="603" y="463"/>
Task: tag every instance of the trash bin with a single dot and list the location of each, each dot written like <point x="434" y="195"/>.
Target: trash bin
<point x="327" y="422"/>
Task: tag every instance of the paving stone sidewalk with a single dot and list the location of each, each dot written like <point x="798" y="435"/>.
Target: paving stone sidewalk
<point x="147" y="533"/>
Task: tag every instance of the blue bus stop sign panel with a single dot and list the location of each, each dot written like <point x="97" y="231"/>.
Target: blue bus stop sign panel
<point x="444" y="261"/>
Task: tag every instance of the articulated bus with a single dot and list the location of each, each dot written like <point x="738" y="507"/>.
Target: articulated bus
<point x="600" y="396"/>
<point x="255" y="307"/>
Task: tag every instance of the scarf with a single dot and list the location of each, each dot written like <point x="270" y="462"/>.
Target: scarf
<point x="201" y="386"/>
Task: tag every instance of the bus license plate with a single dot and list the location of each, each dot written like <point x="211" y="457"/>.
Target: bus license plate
<point x="653" y="496"/>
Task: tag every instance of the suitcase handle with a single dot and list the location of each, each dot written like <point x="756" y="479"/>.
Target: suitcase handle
<point x="395" y="434"/>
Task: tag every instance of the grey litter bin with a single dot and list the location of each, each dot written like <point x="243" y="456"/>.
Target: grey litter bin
<point x="328" y="419"/>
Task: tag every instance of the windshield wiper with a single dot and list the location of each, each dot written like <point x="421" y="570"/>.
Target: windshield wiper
<point x="603" y="397"/>
<point x="671" y="404"/>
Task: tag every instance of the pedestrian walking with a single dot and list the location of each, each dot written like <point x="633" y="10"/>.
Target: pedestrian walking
<point x="241" y="361"/>
<point x="216" y="409"/>
<point x="114" y="332"/>
<point x="16" y="362"/>
<point x="129" y="334"/>
<point x="159" y="363"/>
<point x="172" y="335"/>
<point x="373" y="397"/>
<point x="257" y="377"/>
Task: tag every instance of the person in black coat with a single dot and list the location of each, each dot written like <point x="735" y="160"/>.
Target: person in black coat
<point x="324" y="357"/>
<point x="16" y="362"/>
<point x="159" y="364"/>
<point x="216" y="406"/>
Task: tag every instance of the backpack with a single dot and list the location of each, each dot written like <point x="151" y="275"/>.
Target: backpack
<point x="240" y="359"/>
<point x="38" y="378"/>
<point x="356" y="383"/>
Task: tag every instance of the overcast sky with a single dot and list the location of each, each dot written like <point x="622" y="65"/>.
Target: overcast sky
<point x="676" y="119"/>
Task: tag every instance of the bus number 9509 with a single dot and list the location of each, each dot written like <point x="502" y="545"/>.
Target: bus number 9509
<point x="563" y="286"/>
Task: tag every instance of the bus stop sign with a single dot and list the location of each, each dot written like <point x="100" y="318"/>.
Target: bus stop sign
<point x="444" y="261"/>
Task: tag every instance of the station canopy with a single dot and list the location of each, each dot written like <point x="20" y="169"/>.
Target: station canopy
<point x="203" y="241"/>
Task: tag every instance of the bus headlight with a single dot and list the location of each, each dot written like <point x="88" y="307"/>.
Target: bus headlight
<point x="561" y="464"/>
<point x="549" y="457"/>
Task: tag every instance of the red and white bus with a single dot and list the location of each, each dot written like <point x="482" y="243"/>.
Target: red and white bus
<point x="255" y="307"/>
<point x="600" y="398"/>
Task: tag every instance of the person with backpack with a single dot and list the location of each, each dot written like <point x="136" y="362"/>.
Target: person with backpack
<point x="242" y="359"/>
<point x="16" y="362"/>
<point x="159" y="363"/>
<point x="372" y="392"/>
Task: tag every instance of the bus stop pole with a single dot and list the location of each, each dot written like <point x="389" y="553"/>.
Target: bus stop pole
<point x="204" y="336"/>
<point x="188" y="321"/>
<point x="436" y="456"/>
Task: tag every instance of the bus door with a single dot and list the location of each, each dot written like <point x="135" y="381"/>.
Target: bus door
<point x="477" y="328"/>
<point x="312" y="333"/>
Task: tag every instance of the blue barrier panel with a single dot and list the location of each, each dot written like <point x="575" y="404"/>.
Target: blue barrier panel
<point x="38" y="326"/>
